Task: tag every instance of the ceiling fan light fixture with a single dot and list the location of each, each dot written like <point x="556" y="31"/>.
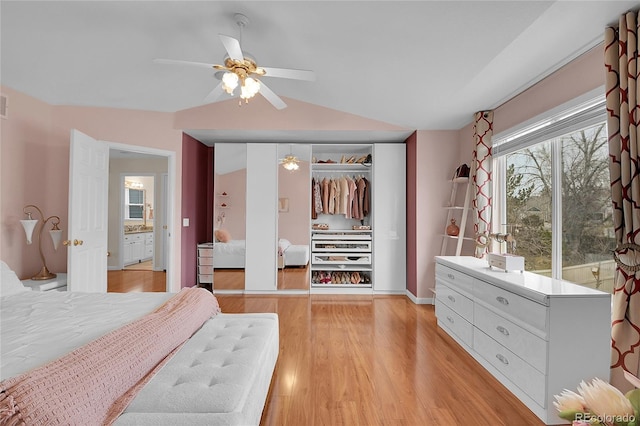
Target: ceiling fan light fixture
<point x="290" y="163"/>
<point x="229" y="82"/>
<point x="250" y="87"/>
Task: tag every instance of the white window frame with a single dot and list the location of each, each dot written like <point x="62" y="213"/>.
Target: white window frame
<point x="586" y="110"/>
<point x="127" y="204"/>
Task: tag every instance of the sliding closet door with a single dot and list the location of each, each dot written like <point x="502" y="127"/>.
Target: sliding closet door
<point x="389" y="218"/>
<point x="262" y="217"/>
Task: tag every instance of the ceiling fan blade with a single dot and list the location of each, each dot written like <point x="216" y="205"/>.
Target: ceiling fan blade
<point x="214" y="94"/>
<point x="271" y="97"/>
<point x="176" y="62"/>
<point x="289" y="73"/>
<point x="232" y="46"/>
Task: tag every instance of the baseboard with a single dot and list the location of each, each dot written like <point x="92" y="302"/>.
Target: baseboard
<point x="420" y="300"/>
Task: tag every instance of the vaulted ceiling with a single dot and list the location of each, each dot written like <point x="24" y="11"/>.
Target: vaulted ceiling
<point x="414" y="64"/>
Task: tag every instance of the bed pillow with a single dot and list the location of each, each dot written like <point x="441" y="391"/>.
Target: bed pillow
<point x="222" y="235"/>
<point x="283" y="244"/>
<point x="9" y="282"/>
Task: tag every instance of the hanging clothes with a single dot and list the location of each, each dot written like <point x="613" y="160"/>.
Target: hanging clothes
<point x="366" y="203"/>
<point x="360" y="189"/>
<point x="325" y="196"/>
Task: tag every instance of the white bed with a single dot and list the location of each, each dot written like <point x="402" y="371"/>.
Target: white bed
<point x="293" y="254"/>
<point x="229" y="255"/>
<point x="220" y="376"/>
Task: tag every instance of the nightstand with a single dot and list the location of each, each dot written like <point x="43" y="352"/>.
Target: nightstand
<point x="59" y="283"/>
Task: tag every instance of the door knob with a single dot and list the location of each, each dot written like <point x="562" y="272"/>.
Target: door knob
<point x="77" y="242"/>
<point x="66" y="243"/>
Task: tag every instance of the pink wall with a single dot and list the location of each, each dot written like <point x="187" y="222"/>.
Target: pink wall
<point x="297" y="116"/>
<point x="235" y="185"/>
<point x="437" y="155"/>
<point x="294" y="225"/>
<point x="33" y="166"/>
<point x="412" y="221"/>
<point x="197" y="200"/>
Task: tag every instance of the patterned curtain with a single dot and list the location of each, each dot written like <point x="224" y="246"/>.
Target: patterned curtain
<point x="482" y="132"/>
<point x="621" y="65"/>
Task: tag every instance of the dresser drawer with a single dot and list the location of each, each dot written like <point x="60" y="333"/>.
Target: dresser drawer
<point x="205" y="269"/>
<point x="205" y="278"/>
<point x="458" y="303"/>
<point x="521" y="374"/>
<point x="454" y="323"/>
<point x="205" y="261"/>
<point x="454" y="279"/>
<point x="526" y="345"/>
<point x="530" y="313"/>
<point x="205" y="252"/>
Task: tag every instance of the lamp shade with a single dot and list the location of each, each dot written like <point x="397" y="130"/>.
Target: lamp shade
<point x="56" y="236"/>
<point x="29" y="225"/>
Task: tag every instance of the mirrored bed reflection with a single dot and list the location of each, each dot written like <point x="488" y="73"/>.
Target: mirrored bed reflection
<point x="230" y="181"/>
<point x="294" y="221"/>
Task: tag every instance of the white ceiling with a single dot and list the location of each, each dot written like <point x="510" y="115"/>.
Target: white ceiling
<point x="414" y="64"/>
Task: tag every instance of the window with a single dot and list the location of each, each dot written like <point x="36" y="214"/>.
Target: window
<point x="134" y="206"/>
<point x="552" y="192"/>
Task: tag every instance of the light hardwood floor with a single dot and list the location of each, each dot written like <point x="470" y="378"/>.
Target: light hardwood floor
<point x="370" y="360"/>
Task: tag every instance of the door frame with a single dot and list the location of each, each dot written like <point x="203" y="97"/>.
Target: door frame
<point x="169" y="200"/>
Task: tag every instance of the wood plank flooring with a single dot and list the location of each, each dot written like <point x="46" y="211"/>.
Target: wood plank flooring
<point x="365" y="360"/>
<point x="136" y="281"/>
<point x="356" y="360"/>
<point x="289" y="278"/>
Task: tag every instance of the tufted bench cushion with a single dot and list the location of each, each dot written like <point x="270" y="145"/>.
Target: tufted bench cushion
<point x="221" y="376"/>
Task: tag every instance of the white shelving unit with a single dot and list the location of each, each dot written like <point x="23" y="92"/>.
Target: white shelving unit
<point x="340" y="257"/>
<point x="458" y="212"/>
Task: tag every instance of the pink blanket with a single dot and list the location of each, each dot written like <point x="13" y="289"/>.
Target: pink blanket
<point x="94" y="383"/>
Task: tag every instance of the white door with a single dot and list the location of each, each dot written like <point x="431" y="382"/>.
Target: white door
<point x="389" y="218"/>
<point x="88" y="190"/>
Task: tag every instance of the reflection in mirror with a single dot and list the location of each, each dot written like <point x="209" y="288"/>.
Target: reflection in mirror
<point x="230" y="181"/>
<point x="294" y="221"/>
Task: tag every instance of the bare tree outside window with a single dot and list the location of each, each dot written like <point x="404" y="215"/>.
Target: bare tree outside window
<point x="587" y="226"/>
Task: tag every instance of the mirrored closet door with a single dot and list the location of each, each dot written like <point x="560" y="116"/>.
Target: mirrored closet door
<point x="229" y="245"/>
<point x="294" y="216"/>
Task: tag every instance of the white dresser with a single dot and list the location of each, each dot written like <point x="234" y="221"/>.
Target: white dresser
<point x="536" y="335"/>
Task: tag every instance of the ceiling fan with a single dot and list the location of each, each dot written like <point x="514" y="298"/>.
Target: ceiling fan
<point x="240" y="69"/>
<point x="290" y="162"/>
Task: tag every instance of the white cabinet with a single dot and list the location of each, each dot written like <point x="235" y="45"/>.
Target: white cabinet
<point x="536" y="335"/>
<point x="137" y="247"/>
<point x="380" y="255"/>
<point x="148" y="246"/>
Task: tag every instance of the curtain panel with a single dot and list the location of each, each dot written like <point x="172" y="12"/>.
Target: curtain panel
<point x="482" y="204"/>
<point x="622" y="92"/>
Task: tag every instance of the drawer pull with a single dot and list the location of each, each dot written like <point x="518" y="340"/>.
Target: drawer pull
<point x="502" y="330"/>
<point x="451" y="276"/>
<point x="453" y="299"/>
<point x="502" y="300"/>
<point x="502" y="359"/>
<point x="450" y="320"/>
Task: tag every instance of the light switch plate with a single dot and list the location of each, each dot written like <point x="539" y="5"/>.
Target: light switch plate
<point x="185" y="221"/>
